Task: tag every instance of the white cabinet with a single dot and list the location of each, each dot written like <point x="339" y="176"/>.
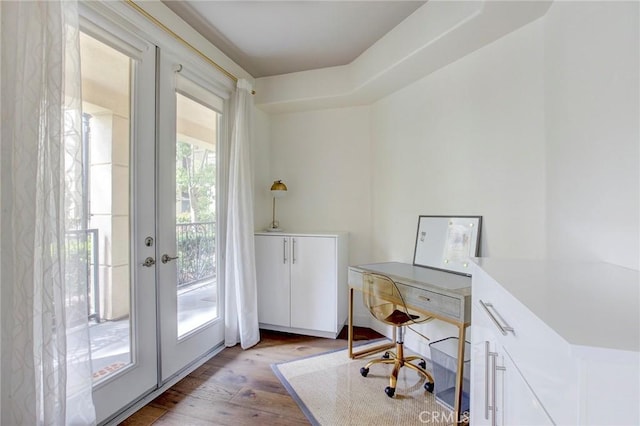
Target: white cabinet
<point x="302" y="282"/>
<point x="273" y="276"/>
<point x="520" y="406"/>
<point x="500" y="395"/>
<point x="554" y="343"/>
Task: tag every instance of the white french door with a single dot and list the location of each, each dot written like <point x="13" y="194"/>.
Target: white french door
<point x="118" y="97"/>
<point x="190" y="295"/>
<point x="151" y="176"/>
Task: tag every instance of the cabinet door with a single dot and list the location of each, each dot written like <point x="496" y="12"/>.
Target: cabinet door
<point x="313" y="283"/>
<point x="520" y="405"/>
<point x="482" y="386"/>
<point x="273" y="278"/>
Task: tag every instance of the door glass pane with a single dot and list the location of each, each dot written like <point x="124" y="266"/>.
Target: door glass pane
<point x="106" y="98"/>
<point x="195" y="214"/>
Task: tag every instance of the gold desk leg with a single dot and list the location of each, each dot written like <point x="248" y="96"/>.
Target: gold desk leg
<point x="350" y="327"/>
<point x="460" y="374"/>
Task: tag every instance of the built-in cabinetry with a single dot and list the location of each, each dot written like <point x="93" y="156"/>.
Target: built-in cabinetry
<point x="302" y="282"/>
<point x="500" y="394"/>
<point x="554" y="343"/>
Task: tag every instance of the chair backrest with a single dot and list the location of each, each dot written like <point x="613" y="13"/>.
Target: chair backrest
<point x="383" y="299"/>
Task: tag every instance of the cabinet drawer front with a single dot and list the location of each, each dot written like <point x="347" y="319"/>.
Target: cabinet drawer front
<point x="431" y="301"/>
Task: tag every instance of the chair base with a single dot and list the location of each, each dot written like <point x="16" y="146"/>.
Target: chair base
<point x="399" y="360"/>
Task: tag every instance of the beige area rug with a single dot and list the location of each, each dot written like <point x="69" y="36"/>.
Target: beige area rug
<point x="331" y="391"/>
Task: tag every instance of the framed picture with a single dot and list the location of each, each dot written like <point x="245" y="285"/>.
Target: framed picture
<point x="447" y="242"/>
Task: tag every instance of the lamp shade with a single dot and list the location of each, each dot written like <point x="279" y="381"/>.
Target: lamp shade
<point x="278" y="189"/>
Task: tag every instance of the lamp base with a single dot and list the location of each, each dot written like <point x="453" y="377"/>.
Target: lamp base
<point x="270" y="229"/>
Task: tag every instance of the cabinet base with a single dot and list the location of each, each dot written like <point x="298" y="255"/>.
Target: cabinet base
<point x="305" y="332"/>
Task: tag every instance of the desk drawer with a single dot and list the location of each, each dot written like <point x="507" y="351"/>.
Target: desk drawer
<point x="355" y="278"/>
<point x="430" y="301"/>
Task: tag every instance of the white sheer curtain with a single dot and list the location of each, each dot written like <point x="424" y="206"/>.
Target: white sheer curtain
<point x="45" y="367"/>
<point x="241" y="307"/>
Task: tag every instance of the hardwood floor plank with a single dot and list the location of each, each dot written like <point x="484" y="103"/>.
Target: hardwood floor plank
<point x="268" y="401"/>
<point x="238" y="387"/>
<point x="227" y="413"/>
<point x="145" y="416"/>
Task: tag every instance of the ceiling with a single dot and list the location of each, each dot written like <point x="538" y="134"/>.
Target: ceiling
<point x="269" y="38"/>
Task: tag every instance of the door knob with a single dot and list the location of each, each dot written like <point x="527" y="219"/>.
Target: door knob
<point x="166" y="258"/>
<point x="149" y="262"/>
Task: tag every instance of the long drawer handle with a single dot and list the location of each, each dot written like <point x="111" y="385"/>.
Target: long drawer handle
<point x="494" y="370"/>
<point x="293" y="250"/>
<point x="503" y="328"/>
<point x="487" y="355"/>
<point x="284" y="250"/>
<point x="493" y="356"/>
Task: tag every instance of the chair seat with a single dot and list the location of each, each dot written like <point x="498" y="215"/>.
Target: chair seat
<point x="398" y="317"/>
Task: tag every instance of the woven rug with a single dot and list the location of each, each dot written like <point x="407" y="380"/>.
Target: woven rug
<point x="331" y="391"/>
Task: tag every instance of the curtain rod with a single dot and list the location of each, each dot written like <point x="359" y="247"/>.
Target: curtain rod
<point x="183" y="41"/>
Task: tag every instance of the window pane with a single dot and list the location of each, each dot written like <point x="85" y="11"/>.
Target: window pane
<point x="106" y="99"/>
<point x="196" y="126"/>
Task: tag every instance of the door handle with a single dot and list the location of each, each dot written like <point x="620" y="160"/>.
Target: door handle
<point x="166" y="258"/>
<point x="149" y="262"/>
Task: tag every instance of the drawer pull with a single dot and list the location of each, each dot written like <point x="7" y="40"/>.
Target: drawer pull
<point x="487" y="355"/>
<point x="503" y="328"/>
<point x="424" y="298"/>
<point x="494" y="370"/>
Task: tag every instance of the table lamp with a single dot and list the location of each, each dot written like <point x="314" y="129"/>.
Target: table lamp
<point x="278" y="190"/>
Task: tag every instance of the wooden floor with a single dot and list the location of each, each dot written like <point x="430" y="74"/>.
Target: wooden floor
<point x="238" y="387"/>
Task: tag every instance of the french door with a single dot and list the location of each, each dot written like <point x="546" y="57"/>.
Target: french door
<point x="150" y="138"/>
<point x="118" y="193"/>
<point x="190" y="297"/>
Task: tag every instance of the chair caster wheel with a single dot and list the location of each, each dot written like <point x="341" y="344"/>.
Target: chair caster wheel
<point x="428" y="386"/>
<point x="386" y="355"/>
<point x="364" y="371"/>
<point x="390" y="391"/>
<point x="423" y="364"/>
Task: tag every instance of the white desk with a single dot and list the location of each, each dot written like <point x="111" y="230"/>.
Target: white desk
<point x="443" y="295"/>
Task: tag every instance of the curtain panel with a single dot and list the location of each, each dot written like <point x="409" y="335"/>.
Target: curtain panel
<point x="45" y="367"/>
<point x="241" y="301"/>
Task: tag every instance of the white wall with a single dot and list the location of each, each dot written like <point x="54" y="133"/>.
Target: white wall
<point x="261" y="159"/>
<point x="324" y="159"/>
<point x="465" y="140"/>
<point x="537" y="132"/>
<point x="592" y="115"/>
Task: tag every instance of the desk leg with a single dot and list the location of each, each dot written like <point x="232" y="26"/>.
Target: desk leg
<point x="460" y="374"/>
<point x="350" y="327"/>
